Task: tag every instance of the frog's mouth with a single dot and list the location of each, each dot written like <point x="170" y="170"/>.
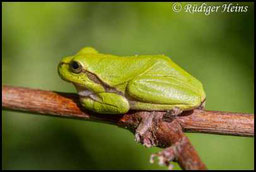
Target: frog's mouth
<point x="83" y="91"/>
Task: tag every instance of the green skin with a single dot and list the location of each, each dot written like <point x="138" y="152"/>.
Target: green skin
<point x="110" y="84"/>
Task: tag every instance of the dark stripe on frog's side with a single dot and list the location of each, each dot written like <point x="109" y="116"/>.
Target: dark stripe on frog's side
<point x="93" y="77"/>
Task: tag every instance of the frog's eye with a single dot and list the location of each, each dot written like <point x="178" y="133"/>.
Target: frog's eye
<point x="76" y="67"/>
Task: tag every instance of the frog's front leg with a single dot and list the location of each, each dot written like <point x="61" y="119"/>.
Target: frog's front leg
<point x="106" y="103"/>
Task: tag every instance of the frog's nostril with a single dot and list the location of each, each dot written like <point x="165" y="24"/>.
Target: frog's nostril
<point x="60" y="66"/>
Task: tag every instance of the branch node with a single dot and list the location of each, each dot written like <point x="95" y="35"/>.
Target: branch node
<point x="144" y="132"/>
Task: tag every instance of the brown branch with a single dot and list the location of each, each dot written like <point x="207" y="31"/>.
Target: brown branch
<point x="217" y="122"/>
<point x="66" y="104"/>
<point x="181" y="150"/>
<point x="161" y="133"/>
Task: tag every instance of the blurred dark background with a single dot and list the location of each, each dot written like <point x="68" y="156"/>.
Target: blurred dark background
<point x="217" y="49"/>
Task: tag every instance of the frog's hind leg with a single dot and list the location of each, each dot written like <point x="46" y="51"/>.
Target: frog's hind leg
<point x="170" y="109"/>
<point x="161" y="94"/>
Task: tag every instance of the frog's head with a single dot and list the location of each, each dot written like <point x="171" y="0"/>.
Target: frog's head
<point x="73" y="69"/>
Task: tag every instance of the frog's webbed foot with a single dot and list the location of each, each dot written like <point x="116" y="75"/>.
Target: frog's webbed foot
<point x="144" y="133"/>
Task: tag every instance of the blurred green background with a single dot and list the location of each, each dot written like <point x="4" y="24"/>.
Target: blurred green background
<point x="217" y="49"/>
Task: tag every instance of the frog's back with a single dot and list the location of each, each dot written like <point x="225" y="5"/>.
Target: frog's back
<point x="118" y="70"/>
<point x="115" y="70"/>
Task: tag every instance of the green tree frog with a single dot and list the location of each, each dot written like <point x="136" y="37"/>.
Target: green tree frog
<point x="110" y="84"/>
